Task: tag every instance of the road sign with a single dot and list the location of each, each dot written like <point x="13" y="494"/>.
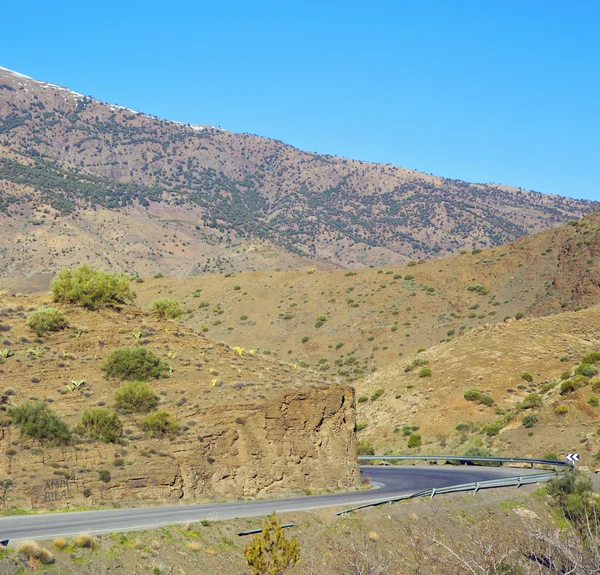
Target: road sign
<point x="572" y="457"/>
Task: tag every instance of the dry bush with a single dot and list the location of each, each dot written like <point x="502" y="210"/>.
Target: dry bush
<point x="28" y="549"/>
<point x="45" y="556"/>
<point x="84" y="540"/>
<point x="60" y="543"/>
<point x="194" y="546"/>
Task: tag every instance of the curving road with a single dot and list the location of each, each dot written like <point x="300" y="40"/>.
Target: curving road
<point x="393" y="481"/>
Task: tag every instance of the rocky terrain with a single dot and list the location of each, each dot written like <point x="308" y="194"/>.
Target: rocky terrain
<point x="247" y="427"/>
<point x="147" y="195"/>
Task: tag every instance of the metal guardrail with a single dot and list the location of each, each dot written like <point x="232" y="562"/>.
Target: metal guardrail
<point x="467" y="459"/>
<point x="475" y="487"/>
<point x="254" y="531"/>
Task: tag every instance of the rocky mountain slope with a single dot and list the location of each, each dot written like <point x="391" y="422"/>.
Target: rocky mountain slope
<point x="148" y="195"/>
<point x="248" y="427"/>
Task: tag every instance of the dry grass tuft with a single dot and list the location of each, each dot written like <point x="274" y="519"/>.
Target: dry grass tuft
<point x="45" y="556"/>
<point x="84" y="540"/>
<point x="60" y="543"/>
<point x="28" y="549"/>
<point x="194" y="546"/>
<point x="373" y="536"/>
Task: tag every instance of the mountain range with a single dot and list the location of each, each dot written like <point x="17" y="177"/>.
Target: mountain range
<point x="150" y="196"/>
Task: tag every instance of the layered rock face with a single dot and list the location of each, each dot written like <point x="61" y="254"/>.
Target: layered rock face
<point x="300" y="440"/>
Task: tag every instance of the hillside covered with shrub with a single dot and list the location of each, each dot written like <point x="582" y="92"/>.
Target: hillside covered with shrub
<point x="146" y="195"/>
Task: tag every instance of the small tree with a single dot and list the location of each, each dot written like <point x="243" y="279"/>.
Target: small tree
<point x="271" y="553"/>
<point x="166" y="308"/>
<point x="47" y="319"/>
<point x="92" y="288"/>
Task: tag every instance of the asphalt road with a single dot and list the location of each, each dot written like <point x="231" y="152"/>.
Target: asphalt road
<point x="391" y="481"/>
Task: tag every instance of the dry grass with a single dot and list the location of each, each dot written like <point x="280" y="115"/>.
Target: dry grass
<point x="45" y="556"/>
<point x="193" y="546"/>
<point x="28" y="549"/>
<point x="84" y="540"/>
<point x="60" y="543"/>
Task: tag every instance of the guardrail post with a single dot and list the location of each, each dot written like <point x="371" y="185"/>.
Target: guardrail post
<point x="519" y="483"/>
<point x="476" y="488"/>
<point x="432" y="493"/>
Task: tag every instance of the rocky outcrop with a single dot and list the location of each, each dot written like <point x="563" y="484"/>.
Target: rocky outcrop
<point x="302" y="440"/>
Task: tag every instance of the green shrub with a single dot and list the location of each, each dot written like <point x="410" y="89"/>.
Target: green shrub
<point x="98" y="423"/>
<point x="159" y="424"/>
<point x="360" y="425"/>
<point x="492" y="429"/>
<point x="463" y="427"/>
<point x="566" y="375"/>
<point x="104" y="475"/>
<point x="377" y="394"/>
<point x="572" y="384"/>
<point x="561" y="410"/>
<point x="37" y="421"/>
<point x="166" y="308"/>
<point x="158" y="275"/>
<point x="591" y="358"/>
<point x="47" y="319"/>
<point x="472" y="395"/>
<point x="530" y="420"/>
<point x="550" y="455"/>
<point x="519" y="315"/>
<point x="305" y="339"/>
<point x="425" y="372"/>
<point x="476" y="395"/>
<point x="586" y="370"/>
<point x="593" y="400"/>
<point x="414" y="440"/>
<point x="531" y="400"/>
<point x="364" y="447"/>
<point x="135" y="396"/>
<point x="91" y="288"/>
<point x="573" y="493"/>
<point x="527" y="376"/>
<point x="416" y="362"/>
<point x="362" y="399"/>
<point x="133" y="364"/>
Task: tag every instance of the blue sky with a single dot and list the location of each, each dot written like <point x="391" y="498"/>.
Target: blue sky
<point x="486" y="91"/>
